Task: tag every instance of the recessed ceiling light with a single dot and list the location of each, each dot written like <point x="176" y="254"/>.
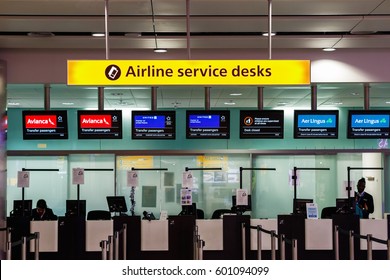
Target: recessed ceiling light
<point x="282" y="103"/>
<point x="236" y="94"/>
<point x="387" y="102"/>
<point x="67" y="103"/>
<point x="159" y="50"/>
<point x="230" y="103"/>
<point x="13" y="103"/>
<point x="328" y="49"/>
<point x="40" y="34"/>
<point x="133" y="34"/>
<point x="98" y="34"/>
<point x="354" y="93"/>
<point x="266" y="34"/>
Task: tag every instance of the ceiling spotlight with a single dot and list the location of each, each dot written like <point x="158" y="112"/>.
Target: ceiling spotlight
<point x="160" y="50"/>
<point x="236" y="94"/>
<point x="328" y="49"/>
<point x="230" y="103"/>
<point x="98" y="34"/>
<point x="40" y="34"/>
<point x="266" y="34"/>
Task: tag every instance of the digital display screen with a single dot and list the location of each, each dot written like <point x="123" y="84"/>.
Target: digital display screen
<point x="316" y="124"/>
<point x="153" y="125"/>
<point x="45" y="125"/>
<point x="368" y="124"/>
<point x="262" y="124"/>
<point x="208" y="124"/>
<point x="99" y="124"/>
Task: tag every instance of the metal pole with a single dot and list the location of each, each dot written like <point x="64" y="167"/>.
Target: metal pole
<point x="124" y="241"/>
<point x="207" y="98"/>
<point x="314" y="97"/>
<point x="9" y="248"/>
<point x="243" y="241"/>
<point x="269" y="29"/>
<point x="351" y="246"/>
<point x="260" y="98"/>
<point x="369" y="246"/>
<point x="101" y="98"/>
<point x="154" y="99"/>
<point x="24" y="249"/>
<point x="294" y="249"/>
<point x="336" y="242"/>
<point x="259" y="244"/>
<point x="273" y="247"/>
<point x="195" y="243"/>
<point x="106" y="28"/>
<point x="116" y="245"/>
<point x="282" y="248"/>
<point x="36" y="241"/>
<point x="200" y="249"/>
<point x="111" y="247"/>
<point x="103" y="245"/>
<point x="366" y="96"/>
<point x="188" y="28"/>
<point x="47" y="97"/>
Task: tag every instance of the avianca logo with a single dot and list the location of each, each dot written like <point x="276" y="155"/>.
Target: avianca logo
<point x="41" y="121"/>
<point x="93" y="121"/>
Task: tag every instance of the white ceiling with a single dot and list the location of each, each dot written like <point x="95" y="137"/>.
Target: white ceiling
<point x="211" y="24"/>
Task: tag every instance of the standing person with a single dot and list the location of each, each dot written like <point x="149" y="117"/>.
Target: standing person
<point x="42" y="212"/>
<point x="364" y="201"/>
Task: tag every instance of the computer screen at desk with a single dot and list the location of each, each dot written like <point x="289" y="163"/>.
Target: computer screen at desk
<point x="117" y="204"/>
<point x="72" y="207"/>
<point x="22" y="208"/>
<point x="300" y="205"/>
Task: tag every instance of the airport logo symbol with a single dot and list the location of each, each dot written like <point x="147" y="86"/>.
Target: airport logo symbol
<point x="113" y="72"/>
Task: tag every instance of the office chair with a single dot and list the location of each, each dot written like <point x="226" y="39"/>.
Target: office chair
<point x="328" y="212"/>
<point x="219" y="213"/>
<point x="99" y="215"/>
<point x="199" y="214"/>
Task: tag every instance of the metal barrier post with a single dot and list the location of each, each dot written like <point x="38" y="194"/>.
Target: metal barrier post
<point x="200" y="249"/>
<point x="103" y="245"/>
<point x="336" y="242"/>
<point x="124" y="241"/>
<point x="243" y="241"/>
<point x="36" y="253"/>
<point x="110" y="247"/>
<point x="282" y="247"/>
<point x="8" y="253"/>
<point x="259" y="245"/>
<point x="195" y="243"/>
<point x="24" y="247"/>
<point x="116" y="245"/>
<point x="351" y="246"/>
<point x="369" y="246"/>
<point x="273" y="253"/>
<point x="294" y="249"/>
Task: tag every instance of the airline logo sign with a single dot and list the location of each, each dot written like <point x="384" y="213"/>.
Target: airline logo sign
<point x="41" y="121"/>
<point x="95" y="121"/>
<point x="188" y="72"/>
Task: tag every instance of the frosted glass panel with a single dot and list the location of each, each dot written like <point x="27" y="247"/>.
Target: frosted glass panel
<point x="99" y="179"/>
<point x="49" y="185"/>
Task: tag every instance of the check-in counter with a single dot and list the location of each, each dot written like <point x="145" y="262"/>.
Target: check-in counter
<point x="154" y="235"/>
<point x="378" y="229"/>
<point x="266" y="224"/>
<point x="95" y="232"/>
<point x="318" y="234"/>
<point x="48" y="235"/>
<point x="211" y="232"/>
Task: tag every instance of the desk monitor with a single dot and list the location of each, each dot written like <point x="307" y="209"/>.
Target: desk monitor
<point x="22" y="208"/>
<point x="345" y="205"/>
<point x="239" y="209"/>
<point x="72" y="208"/>
<point x="300" y="205"/>
<point x="117" y="204"/>
<point x="188" y="210"/>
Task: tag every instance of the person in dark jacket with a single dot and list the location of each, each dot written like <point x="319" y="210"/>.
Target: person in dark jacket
<point x="364" y="200"/>
<point x="42" y="212"/>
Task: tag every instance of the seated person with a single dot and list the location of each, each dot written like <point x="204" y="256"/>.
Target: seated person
<point x="42" y="212"/>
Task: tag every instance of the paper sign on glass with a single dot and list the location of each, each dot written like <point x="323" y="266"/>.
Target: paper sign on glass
<point x="78" y="176"/>
<point x="312" y="210"/>
<point x="188" y="179"/>
<point x="132" y="178"/>
<point x="241" y="197"/>
<point x="23" y="179"/>
<point x="186" y="197"/>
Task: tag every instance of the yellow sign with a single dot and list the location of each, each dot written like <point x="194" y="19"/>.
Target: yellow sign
<point x="127" y="162"/>
<point x="188" y="72"/>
